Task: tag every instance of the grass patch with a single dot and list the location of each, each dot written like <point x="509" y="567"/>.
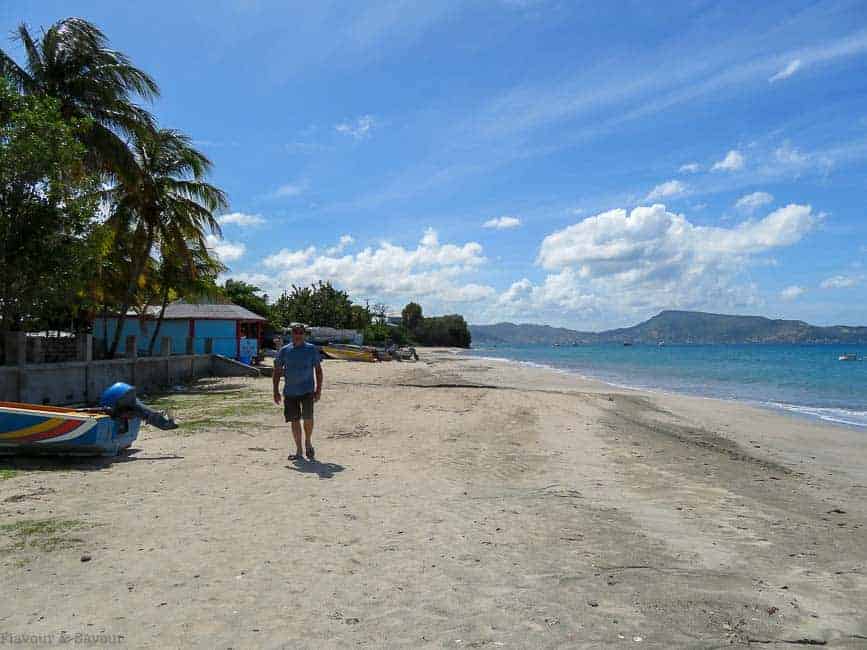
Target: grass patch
<point x="214" y="424"/>
<point x="7" y="473"/>
<point x="43" y="535"/>
<point x="218" y="410"/>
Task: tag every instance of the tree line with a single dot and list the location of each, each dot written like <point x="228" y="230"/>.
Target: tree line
<point x="324" y="305"/>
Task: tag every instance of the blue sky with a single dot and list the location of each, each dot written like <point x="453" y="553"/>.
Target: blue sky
<point x="579" y="164"/>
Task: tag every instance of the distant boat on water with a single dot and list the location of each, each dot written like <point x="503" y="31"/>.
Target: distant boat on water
<point x="627" y="343"/>
<point x="848" y="356"/>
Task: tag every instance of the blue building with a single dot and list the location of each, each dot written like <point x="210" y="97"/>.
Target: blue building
<point x="231" y="328"/>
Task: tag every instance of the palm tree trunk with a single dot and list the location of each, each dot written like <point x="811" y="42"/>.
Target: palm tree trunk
<point x="138" y="268"/>
<point x="159" y="322"/>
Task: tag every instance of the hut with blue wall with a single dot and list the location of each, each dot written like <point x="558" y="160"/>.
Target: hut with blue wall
<point x="231" y="328"/>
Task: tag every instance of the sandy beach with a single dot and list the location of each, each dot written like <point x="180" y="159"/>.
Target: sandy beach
<point x="456" y="503"/>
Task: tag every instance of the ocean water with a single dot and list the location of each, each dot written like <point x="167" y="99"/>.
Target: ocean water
<point x="804" y="379"/>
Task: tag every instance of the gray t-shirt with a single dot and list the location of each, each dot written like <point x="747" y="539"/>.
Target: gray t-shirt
<point x="298" y="364"/>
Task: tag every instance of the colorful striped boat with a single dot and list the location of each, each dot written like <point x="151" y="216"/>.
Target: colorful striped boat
<point x="29" y="428"/>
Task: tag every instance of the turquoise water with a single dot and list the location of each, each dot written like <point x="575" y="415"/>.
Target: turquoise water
<point x="805" y="379"/>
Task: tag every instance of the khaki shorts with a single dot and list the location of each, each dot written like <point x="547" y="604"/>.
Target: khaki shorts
<point x="299" y="407"/>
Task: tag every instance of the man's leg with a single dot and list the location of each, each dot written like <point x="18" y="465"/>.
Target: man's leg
<point x="307" y="416"/>
<point x="292" y="414"/>
<point x="296" y="433"/>
<point x="308" y="432"/>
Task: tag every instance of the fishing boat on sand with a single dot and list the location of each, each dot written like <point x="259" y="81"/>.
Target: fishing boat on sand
<point x="349" y="352"/>
<point x="105" y="430"/>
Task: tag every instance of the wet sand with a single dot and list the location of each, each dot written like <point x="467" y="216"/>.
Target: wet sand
<point x="455" y="503"/>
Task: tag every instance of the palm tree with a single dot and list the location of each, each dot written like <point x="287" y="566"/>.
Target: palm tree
<point x="73" y="63"/>
<point x="165" y="200"/>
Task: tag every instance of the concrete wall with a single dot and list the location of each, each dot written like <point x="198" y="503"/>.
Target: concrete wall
<point x="225" y="367"/>
<point x="83" y="382"/>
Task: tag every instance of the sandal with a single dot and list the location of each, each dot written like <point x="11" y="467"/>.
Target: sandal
<point x="295" y="457"/>
<point x="310" y="452"/>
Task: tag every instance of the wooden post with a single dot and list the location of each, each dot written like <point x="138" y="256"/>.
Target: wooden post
<point x="209" y="345"/>
<point x="166" y="346"/>
<point x="84" y="343"/>
<point x="131" y="347"/>
<point x="38" y="350"/>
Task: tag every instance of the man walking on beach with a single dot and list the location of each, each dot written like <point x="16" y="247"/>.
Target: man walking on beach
<point x="297" y="363"/>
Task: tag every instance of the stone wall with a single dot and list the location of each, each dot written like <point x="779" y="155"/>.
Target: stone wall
<point x="51" y="349"/>
<point x="20" y="348"/>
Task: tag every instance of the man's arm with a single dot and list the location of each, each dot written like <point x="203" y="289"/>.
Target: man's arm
<point x="275" y="378"/>
<point x="318" y="392"/>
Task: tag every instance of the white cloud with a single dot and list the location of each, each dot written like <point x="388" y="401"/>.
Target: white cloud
<point x="790" y="156"/>
<point x="241" y="219"/>
<point x="752" y="202"/>
<point x="621" y="262"/>
<point x="620" y="242"/>
<point x="690" y="168"/>
<point x="841" y="282"/>
<point x="432" y="270"/>
<point x="787" y="72"/>
<point x="792" y="293"/>
<point x="289" y="190"/>
<point x="286" y="259"/>
<point x="359" y="129"/>
<point x="733" y="161"/>
<point x="853" y="44"/>
<point x="665" y="190"/>
<point x="225" y="250"/>
<point x="345" y="240"/>
<point x="502" y="223"/>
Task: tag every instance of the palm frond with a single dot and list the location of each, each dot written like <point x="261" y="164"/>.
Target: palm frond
<point x="34" y="59"/>
<point x="17" y="75"/>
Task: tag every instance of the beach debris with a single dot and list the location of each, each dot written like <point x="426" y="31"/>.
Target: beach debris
<point x="85" y="558"/>
<point x="837" y="511"/>
<point x="593" y="603"/>
<point x="772" y="610"/>
<point x="637" y="639"/>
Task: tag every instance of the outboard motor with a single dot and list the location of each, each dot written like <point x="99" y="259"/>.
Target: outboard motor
<point x="121" y="401"/>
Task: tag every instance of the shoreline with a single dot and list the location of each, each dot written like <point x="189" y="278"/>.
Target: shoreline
<point x="800" y="411"/>
<point x="838" y="443"/>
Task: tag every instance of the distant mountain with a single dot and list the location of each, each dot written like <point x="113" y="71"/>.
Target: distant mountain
<point x="677" y="327"/>
<point x="525" y="333"/>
